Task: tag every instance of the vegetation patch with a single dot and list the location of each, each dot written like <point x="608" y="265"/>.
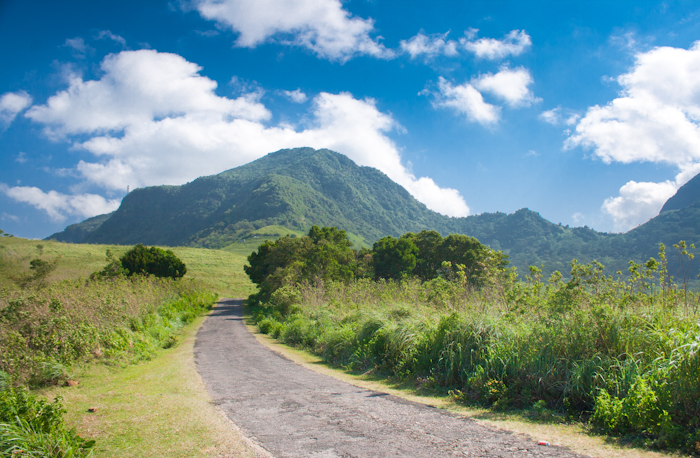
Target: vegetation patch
<point x="619" y="353"/>
<point x="48" y="330"/>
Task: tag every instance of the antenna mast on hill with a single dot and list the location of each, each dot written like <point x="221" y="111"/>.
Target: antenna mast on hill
<point x="127" y="189"/>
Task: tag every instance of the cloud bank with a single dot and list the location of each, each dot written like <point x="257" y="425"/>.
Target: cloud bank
<point x="152" y="119"/>
<point x="655" y="119"/>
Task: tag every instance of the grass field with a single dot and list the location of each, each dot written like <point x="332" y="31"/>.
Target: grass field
<point x="221" y="271"/>
<point x="158" y="408"/>
<point x="155" y="408"/>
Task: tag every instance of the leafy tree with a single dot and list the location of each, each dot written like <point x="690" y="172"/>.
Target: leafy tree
<point x="154" y="261"/>
<point x="39" y="271"/>
<point x="323" y="254"/>
<point x="393" y="258"/>
<point x="428" y="260"/>
<point x="330" y="257"/>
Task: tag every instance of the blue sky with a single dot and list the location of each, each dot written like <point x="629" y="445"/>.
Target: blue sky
<point x="586" y="112"/>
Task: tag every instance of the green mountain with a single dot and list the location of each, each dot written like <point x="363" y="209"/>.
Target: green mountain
<point x="290" y="190"/>
<point x="686" y="195"/>
<point x="76" y="233"/>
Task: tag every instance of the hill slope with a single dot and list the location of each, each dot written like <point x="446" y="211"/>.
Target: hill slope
<point x="297" y="188"/>
<point x="686" y="195"/>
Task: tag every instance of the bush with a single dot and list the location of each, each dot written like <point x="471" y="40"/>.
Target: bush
<point x="34" y="427"/>
<point x="154" y="261"/>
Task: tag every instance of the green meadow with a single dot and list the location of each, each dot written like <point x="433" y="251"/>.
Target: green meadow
<point x="122" y="346"/>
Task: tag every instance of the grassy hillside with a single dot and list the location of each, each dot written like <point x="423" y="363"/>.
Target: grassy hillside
<point x="221" y="271"/>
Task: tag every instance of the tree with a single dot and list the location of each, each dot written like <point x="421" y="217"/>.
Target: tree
<point x="154" y="261"/>
<point x="428" y="260"/>
<point x="393" y="258"/>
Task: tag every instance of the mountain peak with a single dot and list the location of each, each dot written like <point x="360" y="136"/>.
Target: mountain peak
<point x="686" y="195"/>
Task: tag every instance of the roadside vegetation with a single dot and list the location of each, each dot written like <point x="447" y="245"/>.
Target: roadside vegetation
<point x="618" y="352"/>
<point x="124" y="313"/>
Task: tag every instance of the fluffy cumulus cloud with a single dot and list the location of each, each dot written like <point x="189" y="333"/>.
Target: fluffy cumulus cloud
<point x="12" y="104"/>
<point x="465" y="99"/>
<point x="322" y="26"/>
<point x="513" y="44"/>
<point x="511" y="86"/>
<point x="655" y="119"/>
<point x="58" y="205"/>
<point x="638" y="202"/>
<point x="426" y="46"/>
<point x="153" y="119"/>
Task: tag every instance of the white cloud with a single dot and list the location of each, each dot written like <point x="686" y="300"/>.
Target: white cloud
<point x="296" y="96"/>
<point x="80" y="49"/>
<point x="557" y="116"/>
<point x="137" y="87"/>
<point x="58" y="205"/>
<point x="466" y="100"/>
<point x="322" y="26"/>
<point x="511" y="86"/>
<point x="106" y="34"/>
<point x="429" y="46"/>
<point x="655" y="119"/>
<point x="552" y="116"/>
<point x="637" y="203"/>
<point x="513" y="44"/>
<point x="152" y="119"/>
<point x="11" y="104"/>
<point x="21" y="157"/>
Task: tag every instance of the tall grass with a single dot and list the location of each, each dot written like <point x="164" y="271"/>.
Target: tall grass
<point x="46" y="331"/>
<point x="622" y="353"/>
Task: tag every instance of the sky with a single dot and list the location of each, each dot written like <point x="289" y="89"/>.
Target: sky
<point x="586" y="112"/>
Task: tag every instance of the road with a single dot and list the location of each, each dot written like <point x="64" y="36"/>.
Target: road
<point x="291" y="411"/>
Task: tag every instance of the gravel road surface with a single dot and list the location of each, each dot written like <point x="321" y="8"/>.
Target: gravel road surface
<point x="291" y="411"/>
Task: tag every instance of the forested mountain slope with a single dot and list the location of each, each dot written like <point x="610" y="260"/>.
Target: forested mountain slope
<point x="297" y="188"/>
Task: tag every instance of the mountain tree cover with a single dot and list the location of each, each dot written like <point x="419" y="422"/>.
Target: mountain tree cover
<point x="325" y="254"/>
<point x="301" y="187"/>
<point x="154" y="261"/>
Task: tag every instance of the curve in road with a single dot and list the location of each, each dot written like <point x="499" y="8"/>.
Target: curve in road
<point x="291" y="411"/>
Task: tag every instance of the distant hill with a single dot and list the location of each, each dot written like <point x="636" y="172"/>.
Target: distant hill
<point x="76" y="233"/>
<point x="288" y="191"/>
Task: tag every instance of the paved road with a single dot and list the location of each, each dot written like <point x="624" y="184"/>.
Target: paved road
<point x="292" y="411"/>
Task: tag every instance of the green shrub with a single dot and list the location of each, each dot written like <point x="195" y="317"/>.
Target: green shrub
<point x="154" y="261"/>
<point x="30" y="426"/>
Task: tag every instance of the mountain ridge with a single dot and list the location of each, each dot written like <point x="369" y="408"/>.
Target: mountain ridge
<point x="296" y="188"/>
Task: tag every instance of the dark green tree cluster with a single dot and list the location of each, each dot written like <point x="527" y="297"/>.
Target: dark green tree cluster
<point x="326" y="254"/>
<point x="153" y="261"/>
<point x="427" y="255"/>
